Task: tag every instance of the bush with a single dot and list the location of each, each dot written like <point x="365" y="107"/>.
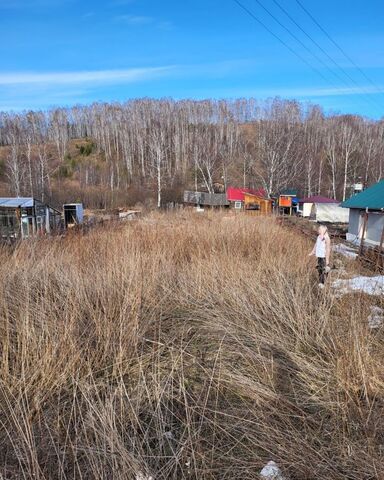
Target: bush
<point x="86" y="149"/>
<point x="64" y="171"/>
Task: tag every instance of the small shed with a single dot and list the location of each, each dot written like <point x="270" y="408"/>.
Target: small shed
<point x="366" y="215"/>
<point x="236" y="196"/>
<point x="257" y="205"/>
<point x="288" y="200"/>
<point x="203" y="199"/>
<point x="23" y="217"/>
<point x="73" y="214"/>
<point x="305" y="204"/>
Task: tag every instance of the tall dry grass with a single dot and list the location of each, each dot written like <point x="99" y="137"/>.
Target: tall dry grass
<point x="183" y="347"/>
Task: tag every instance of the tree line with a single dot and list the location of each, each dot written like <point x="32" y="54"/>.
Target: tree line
<point x="164" y="146"/>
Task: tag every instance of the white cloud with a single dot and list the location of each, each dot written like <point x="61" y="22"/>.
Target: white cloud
<point x="142" y="20"/>
<point x="18" y="4"/>
<point x="20" y="90"/>
<point x="33" y="90"/>
<point x="328" y="92"/>
<point x="134" y="19"/>
<point x="83" y="77"/>
<point x="299" y="92"/>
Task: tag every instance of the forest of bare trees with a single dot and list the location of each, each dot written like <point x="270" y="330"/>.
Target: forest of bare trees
<point x="145" y="149"/>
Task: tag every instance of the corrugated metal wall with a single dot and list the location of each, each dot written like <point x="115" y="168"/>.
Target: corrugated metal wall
<point x="203" y="198"/>
<point x="354" y="222"/>
<point x="375" y="227"/>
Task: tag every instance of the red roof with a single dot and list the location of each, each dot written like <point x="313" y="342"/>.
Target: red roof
<point x="318" y="199"/>
<point x="237" y="194"/>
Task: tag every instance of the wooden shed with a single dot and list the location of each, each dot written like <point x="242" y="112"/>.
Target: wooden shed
<point x="257" y="205"/>
<point x="235" y="196"/>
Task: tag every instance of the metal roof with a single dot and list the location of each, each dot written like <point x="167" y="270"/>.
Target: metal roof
<point x="15" y="202"/>
<point x="237" y="194"/>
<point x="289" y="192"/>
<point x="371" y="198"/>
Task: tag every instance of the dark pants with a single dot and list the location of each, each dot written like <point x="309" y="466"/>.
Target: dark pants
<point x="321" y="264"/>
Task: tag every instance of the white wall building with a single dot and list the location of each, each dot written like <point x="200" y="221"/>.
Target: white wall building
<point x="366" y="215"/>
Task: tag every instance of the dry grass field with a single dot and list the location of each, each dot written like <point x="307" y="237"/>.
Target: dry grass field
<point x="182" y="347"/>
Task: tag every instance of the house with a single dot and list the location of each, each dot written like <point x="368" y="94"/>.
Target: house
<point x="366" y="215"/>
<point x="288" y="200"/>
<point x="323" y="209"/>
<point x="236" y="196"/>
<point x="23" y="217"/>
<point x="305" y="204"/>
<point x="257" y="205"/>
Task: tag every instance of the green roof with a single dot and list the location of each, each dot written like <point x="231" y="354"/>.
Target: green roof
<point x="372" y="198"/>
<point x="289" y="192"/>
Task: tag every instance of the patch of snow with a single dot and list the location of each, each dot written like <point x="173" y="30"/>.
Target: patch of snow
<point x="376" y="318"/>
<point x="369" y="285"/>
<point x="345" y="250"/>
<point x="271" y="471"/>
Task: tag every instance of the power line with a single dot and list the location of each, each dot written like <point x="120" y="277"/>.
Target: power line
<point x="324" y="51"/>
<point x="311" y="52"/>
<point x="380" y="90"/>
<point x="252" y="15"/>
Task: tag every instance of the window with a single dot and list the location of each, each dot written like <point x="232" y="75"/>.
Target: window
<point x="253" y="206"/>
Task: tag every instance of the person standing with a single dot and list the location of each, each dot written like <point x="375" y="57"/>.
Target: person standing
<point x="322" y="250"/>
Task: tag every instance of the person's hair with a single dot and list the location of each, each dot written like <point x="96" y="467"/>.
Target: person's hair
<point x="324" y="229"/>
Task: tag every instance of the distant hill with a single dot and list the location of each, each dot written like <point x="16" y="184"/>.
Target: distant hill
<point x="148" y="151"/>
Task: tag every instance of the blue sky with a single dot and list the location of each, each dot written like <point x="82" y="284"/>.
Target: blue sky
<point x="65" y="52"/>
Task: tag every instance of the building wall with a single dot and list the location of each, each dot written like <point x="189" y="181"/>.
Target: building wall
<point x="354" y="225"/>
<point x="265" y="206"/>
<point x="374" y="228"/>
<point x="307" y="207"/>
<point x="205" y="199"/>
<point x="9" y="223"/>
<point x="285" y="201"/>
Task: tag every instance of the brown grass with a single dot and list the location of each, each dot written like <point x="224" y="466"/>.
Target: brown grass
<point x="183" y="347"/>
